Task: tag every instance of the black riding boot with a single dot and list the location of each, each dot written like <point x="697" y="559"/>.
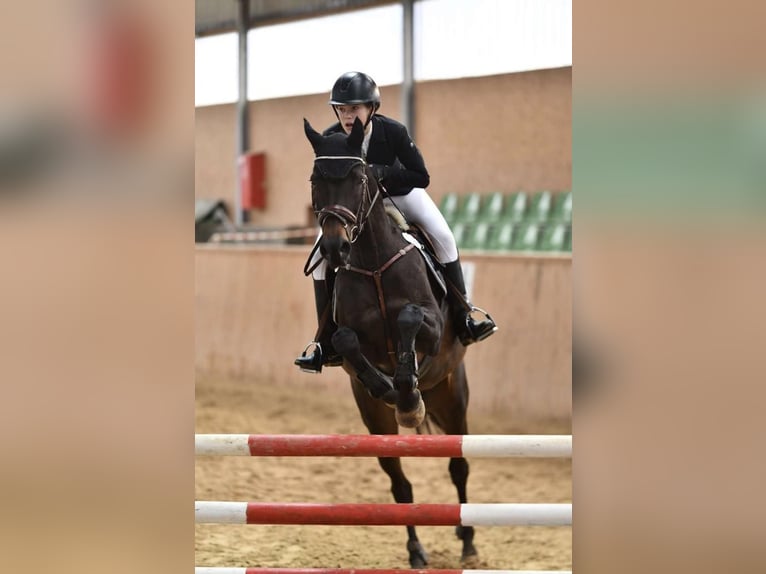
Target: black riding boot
<point x="324" y="353"/>
<point x="468" y="330"/>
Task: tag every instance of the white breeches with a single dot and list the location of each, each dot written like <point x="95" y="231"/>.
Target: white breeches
<point x="417" y="207"/>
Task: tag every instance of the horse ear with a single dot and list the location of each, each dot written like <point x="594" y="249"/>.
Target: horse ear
<point x="314" y="136"/>
<point x="356" y="136"/>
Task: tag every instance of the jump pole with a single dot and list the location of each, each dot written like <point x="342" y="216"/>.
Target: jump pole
<point x="229" y="570"/>
<point x="385" y="445"/>
<point x="509" y="514"/>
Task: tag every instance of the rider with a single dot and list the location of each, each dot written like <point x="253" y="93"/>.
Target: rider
<point x="399" y="167"/>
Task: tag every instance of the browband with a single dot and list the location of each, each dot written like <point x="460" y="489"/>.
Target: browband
<point x="339" y="157"/>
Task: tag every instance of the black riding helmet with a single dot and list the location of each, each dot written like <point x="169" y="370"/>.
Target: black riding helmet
<point x="355" y="88"/>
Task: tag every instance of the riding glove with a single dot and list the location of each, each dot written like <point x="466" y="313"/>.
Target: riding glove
<point x="379" y="171"/>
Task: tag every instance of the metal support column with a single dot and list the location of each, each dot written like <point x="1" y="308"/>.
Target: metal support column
<point x="243" y="123"/>
<point x="408" y="67"/>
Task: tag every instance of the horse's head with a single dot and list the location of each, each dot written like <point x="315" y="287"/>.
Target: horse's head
<point x="340" y="190"/>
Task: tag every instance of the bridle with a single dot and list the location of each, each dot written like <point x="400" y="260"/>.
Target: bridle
<point x="352" y="222"/>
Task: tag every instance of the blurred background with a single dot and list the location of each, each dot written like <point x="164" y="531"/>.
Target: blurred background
<point x="98" y="115"/>
<point x="484" y="88"/>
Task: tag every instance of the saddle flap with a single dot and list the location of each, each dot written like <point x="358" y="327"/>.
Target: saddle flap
<point x="437" y="281"/>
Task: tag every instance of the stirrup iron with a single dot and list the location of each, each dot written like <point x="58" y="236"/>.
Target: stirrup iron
<point x="471" y="324"/>
<point x="483" y="312"/>
<point x="315" y="367"/>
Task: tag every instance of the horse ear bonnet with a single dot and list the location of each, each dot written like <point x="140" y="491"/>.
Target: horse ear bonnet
<point x="313" y="136"/>
<point x="335" y="145"/>
<point x="356" y="137"/>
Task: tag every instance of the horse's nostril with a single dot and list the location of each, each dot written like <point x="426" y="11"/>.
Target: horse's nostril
<point x="345" y="247"/>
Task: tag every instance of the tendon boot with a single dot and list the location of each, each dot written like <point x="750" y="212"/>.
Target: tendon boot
<point x="468" y="329"/>
<point x="324" y="353"/>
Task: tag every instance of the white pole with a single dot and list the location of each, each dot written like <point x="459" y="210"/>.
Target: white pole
<point x="221" y="444"/>
<point x="517" y="445"/>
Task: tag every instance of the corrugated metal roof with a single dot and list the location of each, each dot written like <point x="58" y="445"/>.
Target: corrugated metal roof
<point x="220" y="16"/>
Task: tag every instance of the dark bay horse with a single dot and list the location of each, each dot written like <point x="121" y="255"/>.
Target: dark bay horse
<point x="394" y="333"/>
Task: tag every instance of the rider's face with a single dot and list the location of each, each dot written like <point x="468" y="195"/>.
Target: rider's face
<point x="347" y="115"/>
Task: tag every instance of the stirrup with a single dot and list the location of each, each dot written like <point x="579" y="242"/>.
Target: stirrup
<point x="313" y="363"/>
<point x="477" y="331"/>
<point x="317" y="359"/>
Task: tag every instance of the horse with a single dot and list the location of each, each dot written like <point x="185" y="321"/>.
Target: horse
<point x="400" y="350"/>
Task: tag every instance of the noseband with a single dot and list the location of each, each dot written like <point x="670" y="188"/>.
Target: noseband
<point x="352" y="222"/>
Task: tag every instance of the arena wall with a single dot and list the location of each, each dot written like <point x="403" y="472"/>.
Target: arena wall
<point x="255" y="311"/>
<point x="504" y="132"/>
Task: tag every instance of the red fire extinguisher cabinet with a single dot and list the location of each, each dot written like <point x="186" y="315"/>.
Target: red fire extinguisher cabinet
<point x="252" y="169"/>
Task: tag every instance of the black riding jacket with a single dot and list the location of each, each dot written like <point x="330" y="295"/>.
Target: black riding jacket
<point x="394" y="157"/>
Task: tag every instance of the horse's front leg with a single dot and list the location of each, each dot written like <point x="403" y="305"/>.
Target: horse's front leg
<point x="410" y="410"/>
<point x="377" y="384"/>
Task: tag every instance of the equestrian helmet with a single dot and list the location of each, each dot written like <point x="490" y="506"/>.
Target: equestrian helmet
<point x="355" y="88"/>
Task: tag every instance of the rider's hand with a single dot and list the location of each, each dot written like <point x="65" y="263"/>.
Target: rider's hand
<point x="379" y="171"/>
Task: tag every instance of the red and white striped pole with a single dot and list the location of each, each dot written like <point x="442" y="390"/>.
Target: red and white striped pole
<point x="385" y="445"/>
<point x="508" y="514"/>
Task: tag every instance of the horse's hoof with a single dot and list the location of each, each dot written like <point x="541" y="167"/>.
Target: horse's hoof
<point x="412" y="418"/>
<point x="418" y="556"/>
<point x="470" y="560"/>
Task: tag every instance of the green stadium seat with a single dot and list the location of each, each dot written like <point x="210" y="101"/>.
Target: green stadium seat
<point x="500" y="236"/>
<point x="477" y="236"/>
<point x="527" y="237"/>
<point x="469" y="207"/>
<point x="553" y="237"/>
<point x="492" y="207"/>
<point x="448" y="206"/>
<point x="515" y="207"/>
<point x="460" y="232"/>
<point x="562" y="207"/>
<point x="540" y="207"/>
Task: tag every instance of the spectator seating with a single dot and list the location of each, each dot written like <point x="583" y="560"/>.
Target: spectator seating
<point x="515" y="207"/>
<point x="460" y="231"/>
<point x="540" y="207"/>
<point x="477" y="236"/>
<point x="519" y="221"/>
<point x="492" y="207"/>
<point x="448" y="206"/>
<point x="527" y="237"/>
<point x="500" y="237"/>
<point x="469" y="208"/>
<point x="562" y="207"/>
<point x="553" y="237"/>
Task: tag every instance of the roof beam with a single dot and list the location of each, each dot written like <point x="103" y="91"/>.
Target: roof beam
<point x="220" y="16"/>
